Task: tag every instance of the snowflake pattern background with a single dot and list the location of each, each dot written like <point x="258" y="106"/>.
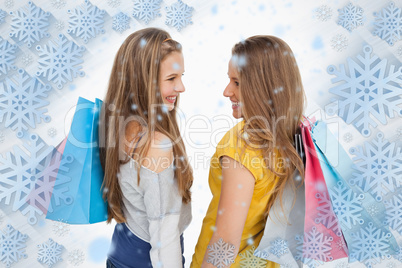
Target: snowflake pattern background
<point x="7" y="56"/>
<point x="323" y="13"/>
<point x="76" y="257"/>
<point x="12" y="246"/>
<point x="147" y="10"/>
<point x="368" y="89"/>
<point x="3" y="14"/>
<point x="121" y="22"/>
<point x="248" y="259"/>
<point x="350" y="17"/>
<point x="221" y="254"/>
<point x="388" y="24"/>
<point x="339" y="42"/>
<point x="49" y="253"/>
<point x="179" y="15"/>
<point x="34" y="29"/>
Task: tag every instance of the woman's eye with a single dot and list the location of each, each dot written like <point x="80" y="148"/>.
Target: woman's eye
<point x="237" y="83"/>
<point x="171" y="79"/>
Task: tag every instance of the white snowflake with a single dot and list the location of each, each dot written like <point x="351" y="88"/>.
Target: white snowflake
<point x="399" y="51"/>
<point x="348" y="137"/>
<point x="179" y="15"/>
<point x="221" y="254"/>
<point x="28" y="177"/>
<point x="60" y="228"/>
<point x="49" y="253"/>
<point x="347" y="205"/>
<point x="12" y="245"/>
<point x="378" y="166"/>
<point x="279" y="247"/>
<point x="313" y="248"/>
<point x="7" y="56"/>
<point x="2" y="137"/>
<point x="121" y="22"/>
<point x="350" y="17"/>
<point x="394" y="212"/>
<point x="248" y="259"/>
<point x="323" y="13"/>
<point x="60" y="61"/>
<point x="113" y="3"/>
<point x="147" y="10"/>
<point x="29" y="24"/>
<point x="388" y="24"/>
<point x="86" y="21"/>
<point x="367" y="91"/>
<point x="326" y="215"/>
<point x="369" y="245"/>
<point x="59" y="4"/>
<point x="26" y="59"/>
<point x="76" y="257"/>
<point x="59" y="25"/>
<point x="391" y="265"/>
<point x="9" y="3"/>
<point x="22" y="102"/>
<point x="372" y="210"/>
<point x="2" y="15"/>
<point x="52" y="132"/>
<point x="339" y="42"/>
<point x="341" y="245"/>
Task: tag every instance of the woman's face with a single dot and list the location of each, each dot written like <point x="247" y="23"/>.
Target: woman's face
<point x="232" y="91"/>
<point x="170" y="78"/>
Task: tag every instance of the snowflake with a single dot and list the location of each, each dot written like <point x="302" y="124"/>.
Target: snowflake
<point x="28" y="177"/>
<point x="326" y="215"/>
<point x="323" y="13"/>
<point x="341" y="245"/>
<point x="394" y="212"/>
<point x="400" y="51"/>
<point x="52" y="132"/>
<point x="86" y="21"/>
<point x="248" y="259"/>
<point x="348" y="137"/>
<point x="113" y="3"/>
<point x="367" y="91"/>
<point x="350" y="17"/>
<point x="59" y="25"/>
<point x="147" y="10"/>
<point x="179" y="15"/>
<point x="60" y="228"/>
<point x="121" y="22"/>
<point x="379" y="167"/>
<point x="369" y="245"/>
<point x="279" y="247"/>
<point x="59" y="4"/>
<point x="7" y="56"/>
<point x="12" y="245"/>
<point x="26" y="59"/>
<point x="221" y="254"/>
<point x="2" y="137"/>
<point x="347" y="205"/>
<point x="30" y="24"/>
<point x="339" y="42"/>
<point x="313" y="248"/>
<point x="372" y="210"/>
<point x="2" y="15"/>
<point x="76" y="257"/>
<point x="22" y="102"/>
<point x="49" y="252"/>
<point x="9" y="3"/>
<point x="60" y="61"/>
<point x="391" y="265"/>
<point x="388" y="24"/>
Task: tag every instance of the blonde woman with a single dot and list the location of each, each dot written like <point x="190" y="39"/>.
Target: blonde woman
<point x="255" y="159"/>
<point x="147" y="177"/>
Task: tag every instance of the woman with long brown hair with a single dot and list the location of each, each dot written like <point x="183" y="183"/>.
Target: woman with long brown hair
<point x="147" y="176"/>
<point x="256" y="159"/>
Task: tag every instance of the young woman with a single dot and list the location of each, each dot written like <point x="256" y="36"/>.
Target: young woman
<point x="147" y="176"/>
<point x="255" y="159"/>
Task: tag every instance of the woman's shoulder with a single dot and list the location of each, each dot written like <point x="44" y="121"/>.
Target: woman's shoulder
<point x="160" y="153"/>
<point x="232" y="135"/>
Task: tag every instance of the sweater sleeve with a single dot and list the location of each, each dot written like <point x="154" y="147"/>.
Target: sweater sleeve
<point x="163" y="205"/>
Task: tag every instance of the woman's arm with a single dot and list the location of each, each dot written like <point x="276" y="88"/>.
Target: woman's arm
<point x="236" y="194"/>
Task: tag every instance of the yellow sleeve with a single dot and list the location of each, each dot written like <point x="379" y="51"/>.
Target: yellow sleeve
<point x="235" y="147"/>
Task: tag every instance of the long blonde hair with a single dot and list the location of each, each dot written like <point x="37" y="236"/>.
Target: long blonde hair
<point x="133" y="95"/>
<point x="272" y="94"/>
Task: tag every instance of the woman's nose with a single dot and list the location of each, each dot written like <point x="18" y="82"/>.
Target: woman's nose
<point x="227" y="92"/>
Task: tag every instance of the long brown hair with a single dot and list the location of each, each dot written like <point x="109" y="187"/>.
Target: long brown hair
<point x="272" y="95"/>
<point x="133" y="95"/>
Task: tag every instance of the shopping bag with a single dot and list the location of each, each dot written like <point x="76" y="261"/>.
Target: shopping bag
<point x="86" y="173"/>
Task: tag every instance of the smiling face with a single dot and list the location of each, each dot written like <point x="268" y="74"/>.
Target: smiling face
<point x="170" y="78"/>
<point x="232" y="91"/>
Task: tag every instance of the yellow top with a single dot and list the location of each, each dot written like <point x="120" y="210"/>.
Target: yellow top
<point x="231" y="145"/>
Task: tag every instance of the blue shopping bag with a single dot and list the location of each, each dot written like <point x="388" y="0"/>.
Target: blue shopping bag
<point x="86" y="172"/>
